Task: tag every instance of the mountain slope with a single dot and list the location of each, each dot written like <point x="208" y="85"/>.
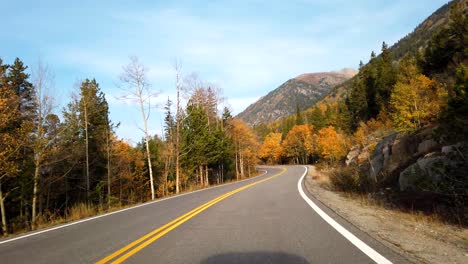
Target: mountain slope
<point x="412" y="43"/>
<point x="300" y="92"/>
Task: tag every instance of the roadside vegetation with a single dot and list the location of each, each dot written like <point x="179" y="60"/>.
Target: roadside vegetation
<point x="399" y="131"/>
<point x="56" y="167"/>
<point x="398" y="134"/>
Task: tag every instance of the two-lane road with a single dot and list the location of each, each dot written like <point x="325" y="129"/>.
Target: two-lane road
<point x="261" y="220"/>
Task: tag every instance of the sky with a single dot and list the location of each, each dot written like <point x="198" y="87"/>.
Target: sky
<point x="246" y="48"/>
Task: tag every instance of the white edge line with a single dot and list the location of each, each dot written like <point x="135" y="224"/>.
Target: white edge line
<point x="370" y="252"/>
<point x="123" y="210"/>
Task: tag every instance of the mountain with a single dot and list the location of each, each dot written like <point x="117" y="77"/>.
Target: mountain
<point x="300" y="92"/>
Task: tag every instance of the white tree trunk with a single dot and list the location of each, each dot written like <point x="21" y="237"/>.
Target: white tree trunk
<point x="108" y="168"/>
<point x="87" y="152"/>
<point x="207" y="183"/>
<point x="35" y="192"/>
<point x="134" y="77"/>
<point x="150" y="169"/>
<point x="200" y="172"/>
<point x="178" y="121"/>
<point x="237" y="164"/>
<point x="2" y="209"/>
<point x="241" y="160"/>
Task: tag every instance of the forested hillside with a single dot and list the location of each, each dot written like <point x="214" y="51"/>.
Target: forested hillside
<point x="414" y="43"/>
<point x="400" y="124"/>
<point x="59" y="167"/>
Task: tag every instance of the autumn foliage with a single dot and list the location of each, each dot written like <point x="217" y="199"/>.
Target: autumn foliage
<point x="270" y="150"/>
<point x="298" y="144"/>
<point x="246" y="147"/>
<point x="331" y="144"/>
<point x="416" y="102"/>
<point x="302" y="145"/>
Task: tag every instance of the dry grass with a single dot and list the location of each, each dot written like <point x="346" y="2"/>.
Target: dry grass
<point x="397" y="213"/>
<point x="366" y="199"/>
<point x="423" y="238"/>
<point x="81" y="210"/>
<point x="321" y="178"/>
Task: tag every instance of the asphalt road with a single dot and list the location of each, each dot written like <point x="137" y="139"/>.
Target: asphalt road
<point x="266" y="222"/>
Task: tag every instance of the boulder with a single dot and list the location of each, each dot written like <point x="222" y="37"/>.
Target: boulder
<point x="352" y="155"/>
<point x="402" y="152"/>
<point x="448" y="167"/>
<point x="422" y="174"/>
<point x="427" y="146"/>
<point x="364" y="155"/>
<point x="381" y="155"/>
<point x="452" y="148"/>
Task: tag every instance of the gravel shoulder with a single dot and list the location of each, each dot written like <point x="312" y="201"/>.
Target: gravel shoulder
<point x="416" y="237"/>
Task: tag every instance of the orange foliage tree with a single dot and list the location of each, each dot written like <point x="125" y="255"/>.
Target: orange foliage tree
<point x="246" y="146"/>
<point x="298" y="144"/>
<point x="270" y="150"/>
<point x="10" y="144"/>
<point x="330" y="144"/>
<point x="129" y="182"/>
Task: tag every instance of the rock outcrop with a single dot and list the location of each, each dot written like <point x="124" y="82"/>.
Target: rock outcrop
<point x="413" y="162"/>
<point x="442" y="171"/>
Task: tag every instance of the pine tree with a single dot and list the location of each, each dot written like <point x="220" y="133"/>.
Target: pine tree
<point x="448" y="48"/>
<point x="357" y="102"/>
<point x="369" y="77"/>
<point x="299" y="119"/>
<point x="454" y="118"/>
<point x="169" y="123"/>
<point x="226" y="116"/>
<point x="195" y="135"/>
<point x="385" y="79"/>
<point x="316" y="118"/>
<point x="93" y="114"/>
<point x="17" y="80"/>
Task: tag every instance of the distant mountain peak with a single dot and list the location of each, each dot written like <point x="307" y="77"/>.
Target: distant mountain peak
<point x="332" y="77"/>
<point x="348" y="72"/>
<point x="302" y="91"/>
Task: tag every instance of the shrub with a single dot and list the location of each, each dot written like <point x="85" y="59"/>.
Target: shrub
<point x="350" y="179"/>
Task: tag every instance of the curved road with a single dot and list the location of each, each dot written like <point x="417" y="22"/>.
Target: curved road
<point x="260" y="220"/>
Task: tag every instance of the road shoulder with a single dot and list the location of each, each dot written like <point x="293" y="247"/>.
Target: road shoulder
<point x="417" y="241"/>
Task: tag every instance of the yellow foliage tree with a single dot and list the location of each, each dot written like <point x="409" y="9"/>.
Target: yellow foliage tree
<point x="10" y="143"/>
<point x="271" y="150"/>
<point x="375" y="127"/>
<point x="360" y="136"/>
<point x="246" y="147"/>
<point x="416" y="101"/>
<point x="130" y="173"/>
<point x="298" y="144"/>
<point x="331" y="144"/>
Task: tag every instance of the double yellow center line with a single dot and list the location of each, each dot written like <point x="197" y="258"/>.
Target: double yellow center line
<point x="124" y="253"/>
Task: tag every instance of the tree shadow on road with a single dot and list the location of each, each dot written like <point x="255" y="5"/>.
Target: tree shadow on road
<point x="255" y="257"/>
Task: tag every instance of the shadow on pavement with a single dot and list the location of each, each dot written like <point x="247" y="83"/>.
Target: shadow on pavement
<point x="254" y="257"/>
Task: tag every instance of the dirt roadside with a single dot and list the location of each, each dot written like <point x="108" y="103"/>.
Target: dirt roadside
<point x="416" y="238"/>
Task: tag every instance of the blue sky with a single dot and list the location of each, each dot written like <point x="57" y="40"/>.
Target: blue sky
<point x="247" y="48"/>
